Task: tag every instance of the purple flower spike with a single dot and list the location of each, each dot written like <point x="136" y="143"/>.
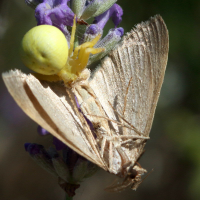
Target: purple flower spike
<point x="56" y="13"/>
<point x="42" y="131"/>
<point x="115" y="13"/>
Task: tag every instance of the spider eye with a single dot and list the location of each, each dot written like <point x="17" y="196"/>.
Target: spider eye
<point x="44" y="49"/>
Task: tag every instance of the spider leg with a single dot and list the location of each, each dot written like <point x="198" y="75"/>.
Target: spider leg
<point x="83" y="60"/>
<point x="72" y="37"/>
<point x="84" y="46"/>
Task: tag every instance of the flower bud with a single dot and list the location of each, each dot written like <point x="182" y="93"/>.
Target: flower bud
<point x="91" y="32"/>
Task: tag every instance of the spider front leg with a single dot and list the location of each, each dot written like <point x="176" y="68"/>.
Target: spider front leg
<point x="81" y="55"/>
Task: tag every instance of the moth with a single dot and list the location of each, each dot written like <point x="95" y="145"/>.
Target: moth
<point x="119" y="98"/>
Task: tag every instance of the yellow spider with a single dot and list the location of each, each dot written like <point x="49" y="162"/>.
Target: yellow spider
<point x="45" y="51"/>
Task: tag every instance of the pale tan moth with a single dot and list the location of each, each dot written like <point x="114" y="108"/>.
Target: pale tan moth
<point x="119" y="98"/>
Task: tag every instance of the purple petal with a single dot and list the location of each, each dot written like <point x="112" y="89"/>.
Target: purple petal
<point x="87" y="120"/>
<point x="78" y="106"/>
<point x="119" y="31"/>
<point x="115" y="12"/>
<point x="56" y="13"/>
<point x="93" y="29"/>
<point x="91" y="32"/>
<point x="42" y="131"/>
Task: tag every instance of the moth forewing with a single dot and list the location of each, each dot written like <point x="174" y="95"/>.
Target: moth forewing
<point x="49" y="105"/>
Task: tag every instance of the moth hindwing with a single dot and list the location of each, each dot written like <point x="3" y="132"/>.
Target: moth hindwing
<point x="119" y="100"/>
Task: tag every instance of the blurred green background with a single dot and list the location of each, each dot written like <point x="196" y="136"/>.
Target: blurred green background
<point x="174" y="149"/>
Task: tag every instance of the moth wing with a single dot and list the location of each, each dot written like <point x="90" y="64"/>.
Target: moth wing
<point x="131" y="76"/>
<point x="50" y="106"/>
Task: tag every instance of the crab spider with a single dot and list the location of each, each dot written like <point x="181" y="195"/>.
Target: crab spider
<point x="45" y="51"/>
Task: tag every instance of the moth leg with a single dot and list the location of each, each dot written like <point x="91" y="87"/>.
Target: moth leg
<point x="133" y="137"/>
<point x="126" y="141"/>
<point x="110" y="156"/>
<point x="125" y="160"/>
<point x="103" y="144"/>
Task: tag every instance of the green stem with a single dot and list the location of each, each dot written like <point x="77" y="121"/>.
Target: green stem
<point x="68" y="198"/>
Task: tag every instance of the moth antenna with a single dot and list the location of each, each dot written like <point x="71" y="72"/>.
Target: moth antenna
<point x="125" y="98"/>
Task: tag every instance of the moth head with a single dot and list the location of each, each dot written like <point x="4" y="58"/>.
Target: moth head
<point x="45" y="50"/>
